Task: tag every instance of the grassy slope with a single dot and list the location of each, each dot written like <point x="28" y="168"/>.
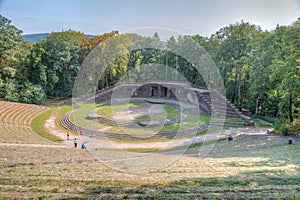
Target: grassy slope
<point x="37" y="125"/>
<point x="244" y="168"/>
<point x="79" y="116"/>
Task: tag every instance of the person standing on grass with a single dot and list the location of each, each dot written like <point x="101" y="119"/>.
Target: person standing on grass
<point x="75" y="143"/>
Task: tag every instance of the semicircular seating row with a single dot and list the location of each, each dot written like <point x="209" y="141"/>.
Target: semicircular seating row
<point x="68" y="124"/>
<point x="15" y="123"/>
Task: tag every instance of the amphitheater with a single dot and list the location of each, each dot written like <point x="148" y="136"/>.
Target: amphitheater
<point x="33" y="166"/>
<point x="186" y="99"/>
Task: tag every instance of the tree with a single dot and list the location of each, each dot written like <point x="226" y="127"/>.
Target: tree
<point x="61" y="60"/>
<point x="156" y="36"/>
<point x="11" y="44"/>
<point x="234" y="57"/>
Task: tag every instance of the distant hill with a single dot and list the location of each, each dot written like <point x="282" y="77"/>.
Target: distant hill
<point x="34" y="38"/>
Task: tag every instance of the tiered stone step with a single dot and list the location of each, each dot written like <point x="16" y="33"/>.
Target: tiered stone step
<point x="220" y="107"/>
<point x="65" y="121"/>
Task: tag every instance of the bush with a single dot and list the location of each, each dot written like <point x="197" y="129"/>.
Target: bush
<point x="295" y="127"/>
<point x="39" y="95"/>
<point x="25" y="92"/>
<point x="285" y="127"/>
<point x="282" y="127"/>
<point x="12" y="91"/>
<point x="2" y="87"/>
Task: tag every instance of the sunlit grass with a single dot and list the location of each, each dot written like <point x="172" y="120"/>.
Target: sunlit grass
<point x="208" y="118"/>
<point x="260" y="124"/>
<point x="247" y="165"/>
<point x="109" y="111"/>
<point x="37" y="125"/>
<point x="80" y="115"/>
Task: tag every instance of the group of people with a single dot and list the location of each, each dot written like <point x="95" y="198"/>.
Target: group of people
<point x="75" y="141"/>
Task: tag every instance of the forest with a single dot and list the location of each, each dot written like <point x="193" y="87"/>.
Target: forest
<point x="260" y="69"/>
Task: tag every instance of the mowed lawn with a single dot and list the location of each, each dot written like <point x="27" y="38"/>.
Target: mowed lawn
<point x="248" y="167"/>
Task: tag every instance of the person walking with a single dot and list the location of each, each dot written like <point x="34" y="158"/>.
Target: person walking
<point x="75" y="143"/>
<point x="68" y="135"/>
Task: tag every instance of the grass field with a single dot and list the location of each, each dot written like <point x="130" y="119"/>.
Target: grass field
<point x="244" y="168"/>
<point x="37" y="125"/>
<point x="249" y="167"/>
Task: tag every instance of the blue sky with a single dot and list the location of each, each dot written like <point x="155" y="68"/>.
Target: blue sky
<point x="202" y="17"/>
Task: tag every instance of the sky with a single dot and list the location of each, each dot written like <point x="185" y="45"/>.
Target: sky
<point x="189" y="17"/>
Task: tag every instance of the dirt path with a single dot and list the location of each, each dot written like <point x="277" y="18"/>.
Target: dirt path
<point x="50" y="125"/>
<point x="173" y="143"/>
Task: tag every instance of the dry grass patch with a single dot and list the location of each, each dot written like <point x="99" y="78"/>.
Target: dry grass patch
<point x="248" y="167"/>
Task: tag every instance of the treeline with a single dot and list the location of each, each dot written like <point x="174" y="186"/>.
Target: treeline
<point x="260" y="69"/>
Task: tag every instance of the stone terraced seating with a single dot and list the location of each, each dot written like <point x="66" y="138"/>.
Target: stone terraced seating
<point x="65" y="121"/>
<point x="15" y="123"/>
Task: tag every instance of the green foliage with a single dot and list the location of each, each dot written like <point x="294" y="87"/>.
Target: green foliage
<point x="10" y="41"/>
<point x="11" y="91"/>
<point x="60" y="62"/>
<point x="295" y="127"/>
<point x="266" y="118"/>
<point x="25" y="93"/>
<point x="14" y="85"/>
<point x="282" y="127"/>
<point x="260" y="69"/>
<point x="285" y="127"/>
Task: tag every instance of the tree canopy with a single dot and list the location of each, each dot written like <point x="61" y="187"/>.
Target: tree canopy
<point x="260" y="69"/>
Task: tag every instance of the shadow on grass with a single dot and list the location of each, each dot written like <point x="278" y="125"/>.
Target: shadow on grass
<point x="204" y="188"/>
<point x="266" y="165"/>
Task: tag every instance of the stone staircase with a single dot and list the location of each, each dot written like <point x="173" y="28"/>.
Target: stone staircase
<point x="220" y="107"/>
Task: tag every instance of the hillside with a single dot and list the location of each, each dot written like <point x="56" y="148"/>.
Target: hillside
<point x="34" y="38"/>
